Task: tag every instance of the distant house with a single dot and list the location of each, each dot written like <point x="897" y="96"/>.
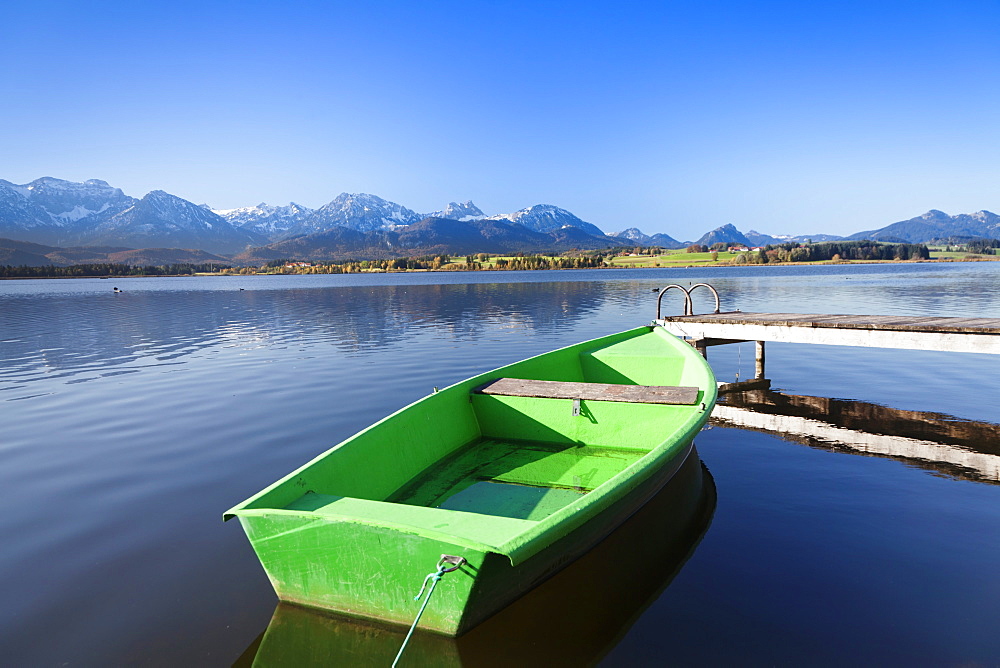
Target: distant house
<point x="738" y="249"/>
<point x="292" y="265"/>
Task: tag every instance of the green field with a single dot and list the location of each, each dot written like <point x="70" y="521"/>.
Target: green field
<point x="959" y="255"/>
<point x="492" y="261"/>
<point x="677" y="258"/>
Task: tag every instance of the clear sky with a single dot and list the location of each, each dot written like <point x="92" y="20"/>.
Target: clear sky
<point x="677" y="117"/>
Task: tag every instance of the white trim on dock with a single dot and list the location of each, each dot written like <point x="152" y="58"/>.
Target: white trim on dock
<point x="964" y="335"/>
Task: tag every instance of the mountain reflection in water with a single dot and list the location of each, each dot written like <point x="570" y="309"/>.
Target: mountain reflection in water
<point x="574" y="618"/>
<point x="963" y="449"/>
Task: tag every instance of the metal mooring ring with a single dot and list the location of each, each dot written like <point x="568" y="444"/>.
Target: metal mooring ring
<point x="450" y="559"/>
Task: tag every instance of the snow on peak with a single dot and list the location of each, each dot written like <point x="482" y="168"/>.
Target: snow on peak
<point x="359" y="211"/>
<point x="631" y="233"/>
<point x="265" y="219"/>
<point x="80" y="212"/>
<point x="465" y="211"/>
<point x="61" y="203"/>
<point x="546" y="218"/>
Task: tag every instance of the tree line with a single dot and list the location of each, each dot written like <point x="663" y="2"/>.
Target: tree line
<point x="853" y="250"/>
<point x="983" y="246"/>
<point x="834" y="251"/>
<point x="475" y="262"/>
<point x="106" y="269"/>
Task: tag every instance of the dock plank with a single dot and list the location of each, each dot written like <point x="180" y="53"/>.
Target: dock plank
<point x="552" y="389"/>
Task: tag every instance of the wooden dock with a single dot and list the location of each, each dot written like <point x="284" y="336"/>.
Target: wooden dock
<point x="965" y="335"/>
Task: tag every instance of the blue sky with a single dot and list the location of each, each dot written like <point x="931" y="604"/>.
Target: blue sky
<point x="784" y="117"/>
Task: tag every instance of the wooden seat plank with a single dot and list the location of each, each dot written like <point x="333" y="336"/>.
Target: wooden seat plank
<point x="554" y="389"/>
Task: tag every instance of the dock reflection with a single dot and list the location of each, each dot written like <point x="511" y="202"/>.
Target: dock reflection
<point x="574" y="618"/>
<point x="944" y="444"/>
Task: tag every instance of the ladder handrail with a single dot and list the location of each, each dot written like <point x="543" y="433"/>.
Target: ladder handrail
<point x="718" y="304"/>
<point x="688" y="302"/>
<point x="687" y="299"/>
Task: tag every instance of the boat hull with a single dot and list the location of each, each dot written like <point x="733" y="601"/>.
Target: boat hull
<point x="572" y="619"/>
<point x="518" y="486"/>
<point x="374" y="572"/>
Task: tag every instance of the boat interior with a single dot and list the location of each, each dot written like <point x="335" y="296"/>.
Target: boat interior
<point x="513" y="457"/>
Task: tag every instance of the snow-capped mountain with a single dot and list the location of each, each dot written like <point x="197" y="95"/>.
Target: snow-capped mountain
<point x="465" y="211"/>
<point x="18" y="214"/>
<point x="65" y="213"/>
<point x="269" y="221"/>
<point x="68" y="202"/>
<point x="57" y="211"/>
<point x="632" y="234"/>
<point x="636" y="236"/>
<point x="163" y="220"/>
<point x="760" y="239"/>
<point x="727" y="234"/>
<point x="937" y="225"/>
<point x="430" y="236"/>
<point x="546" y="218"/>
<point x="357" y="211"/>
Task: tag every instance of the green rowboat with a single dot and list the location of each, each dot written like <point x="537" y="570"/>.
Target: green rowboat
<point x="512" y="474"/>
<point x="572" y="619"/>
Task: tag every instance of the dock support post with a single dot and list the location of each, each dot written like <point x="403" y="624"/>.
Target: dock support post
<point x="760" y="360"/>
<point x="702" y="347"/>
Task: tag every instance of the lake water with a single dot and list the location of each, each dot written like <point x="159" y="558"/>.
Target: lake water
<point x="129" y="422"/>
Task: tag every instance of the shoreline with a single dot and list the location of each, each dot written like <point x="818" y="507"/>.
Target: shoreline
<point x="493" y="269"/>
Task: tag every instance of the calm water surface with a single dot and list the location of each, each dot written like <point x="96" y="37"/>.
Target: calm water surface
<point x="131" y="421"/>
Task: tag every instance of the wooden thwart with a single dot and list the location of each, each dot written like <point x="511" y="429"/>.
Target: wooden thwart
<point x="554" y="389"/>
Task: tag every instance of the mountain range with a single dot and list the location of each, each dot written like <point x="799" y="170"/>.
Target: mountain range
<point x="727" y="234"/>
<point x="429" y="236"/>
<point x="62" y="213"/>
<point x="937" y="225"/>
<point x="71" y="216"/>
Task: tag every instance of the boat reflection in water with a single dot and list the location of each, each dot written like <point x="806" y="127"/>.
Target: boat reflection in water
<point x="574" y="618"/>
<point x="944" y="444"/>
